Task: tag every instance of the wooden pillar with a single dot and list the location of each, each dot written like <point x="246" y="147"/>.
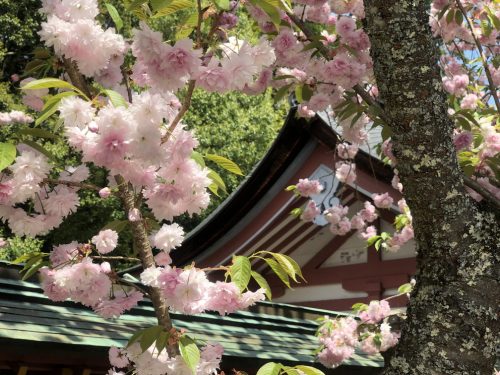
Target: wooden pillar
<point x="23" y="370"/>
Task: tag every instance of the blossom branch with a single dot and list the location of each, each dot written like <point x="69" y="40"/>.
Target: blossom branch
<point x="127" y="84"/>
<point x="141" y="241"/>
<point x="491" y="86"/>
<point x="134" y="285"/>
<point x="182" y="111"/>
<point x="469" y="182"/>
<point x="76" y="78"/>
<point x="128" y="259"/>
<point x="81" y="185"/>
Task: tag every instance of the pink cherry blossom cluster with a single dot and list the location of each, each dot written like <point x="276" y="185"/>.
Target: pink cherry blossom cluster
<point x="74" y="34"/>
<point x="165" y="67"/>
<point x="167" y="238"/>
<point x="152" y="362"/>
<point x="128" y="141"/>
<point x="14" y="117"/>
<point x="340" y="337"/>
<point x="307" y="188"/>
<point x="190" y="292"/>
<point x="341" y="224"/>
<point x="22" y="182"/>
<point x="74" y="275"/>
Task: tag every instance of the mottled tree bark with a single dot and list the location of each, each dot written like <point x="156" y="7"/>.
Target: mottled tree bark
<point x="453" y="319"/>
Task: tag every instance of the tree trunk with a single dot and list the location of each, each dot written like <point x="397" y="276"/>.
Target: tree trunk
<point x="453" y="318"/>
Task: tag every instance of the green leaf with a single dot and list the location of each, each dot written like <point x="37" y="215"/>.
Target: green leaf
<point x="149" y="336"/>
<point x="186" y="27"/>
<point x="136" y="4"/>
<point x="372" y="240"/>
<point x="198" y="158"/>
<point x="405" y="288"/>
<point x="308" y="370"/>
<point x="189" y="352"/>
<point x="359" y="306"/>
<point x="34" y="65"/>
<point x="349" y="111"/>
<point x="450" y="16"/>
<point x="278" y="270"/>
<point x="37" y="132"/>
<point x="271" y="10"/>
<point x="214" y="189"/>
<point x="46" y="113"/>
<point x="161" y="341"/>
<point x="262" y="283"/>
<point x="34" y="268"/>
<point x="296" y="212"/>
<point x="47" y="83"/>
<point x="39" y="148"/>
<point x="41" y="53"/>
<point x="52" y="105"/>
<point x="464" y="124"/>
<point x="295" y="265"/>
<point x="55" y="99"/>
<point x="443" y="11"/>
<point x="486" y="28"/>
<point x="270" y="368"/>
<point x="493" y="18"/>
<point x="159" y="4"/>
<point x="151" y="224"/>
<point x="135" y="337"/>
<point x="222" y="4"/>
<point x="459" y="17"/>
<point x="116" y="225"/>
<point x="113" y="13"/>
<point x="23" y="258"/>
<point x="313" y="45"/>
<point x="377" y="340"/>
<point x="115" y="98"/>
<point x="286" y="265"/>
<point x="378" y="244"/>
<point x="306" y="92"/>
<point x="298" y="93"/>
<point x="240" y="271"/>
<point x="217" y="180"/>
<point x="225" y="163"/>
<point x="7" y="155"/>
<point x="291" y="188"/>
<point x="282" y="91"/>
<point x="286" y="76"/>
<point x="173" y="7"/>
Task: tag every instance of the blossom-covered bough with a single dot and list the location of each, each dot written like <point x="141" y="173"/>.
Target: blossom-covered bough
<point x="118" y="106"/>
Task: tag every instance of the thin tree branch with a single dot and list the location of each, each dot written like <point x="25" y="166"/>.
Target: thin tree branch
<point x="76" y="78"/>
<point x="134" y="285"/>
<point x="182" y="111"/>
<point x="127" y="84"/>
<point x="491" y="86"/>
<point x="81" y="185"/>
<point x="128" y="259"/>
<point x="469" y="182"/>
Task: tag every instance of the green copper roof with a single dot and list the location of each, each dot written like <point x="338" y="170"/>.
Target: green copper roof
<point x="26" y="315"/>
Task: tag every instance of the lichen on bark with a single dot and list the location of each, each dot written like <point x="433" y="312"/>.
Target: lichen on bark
<point x="453" y="316"/>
